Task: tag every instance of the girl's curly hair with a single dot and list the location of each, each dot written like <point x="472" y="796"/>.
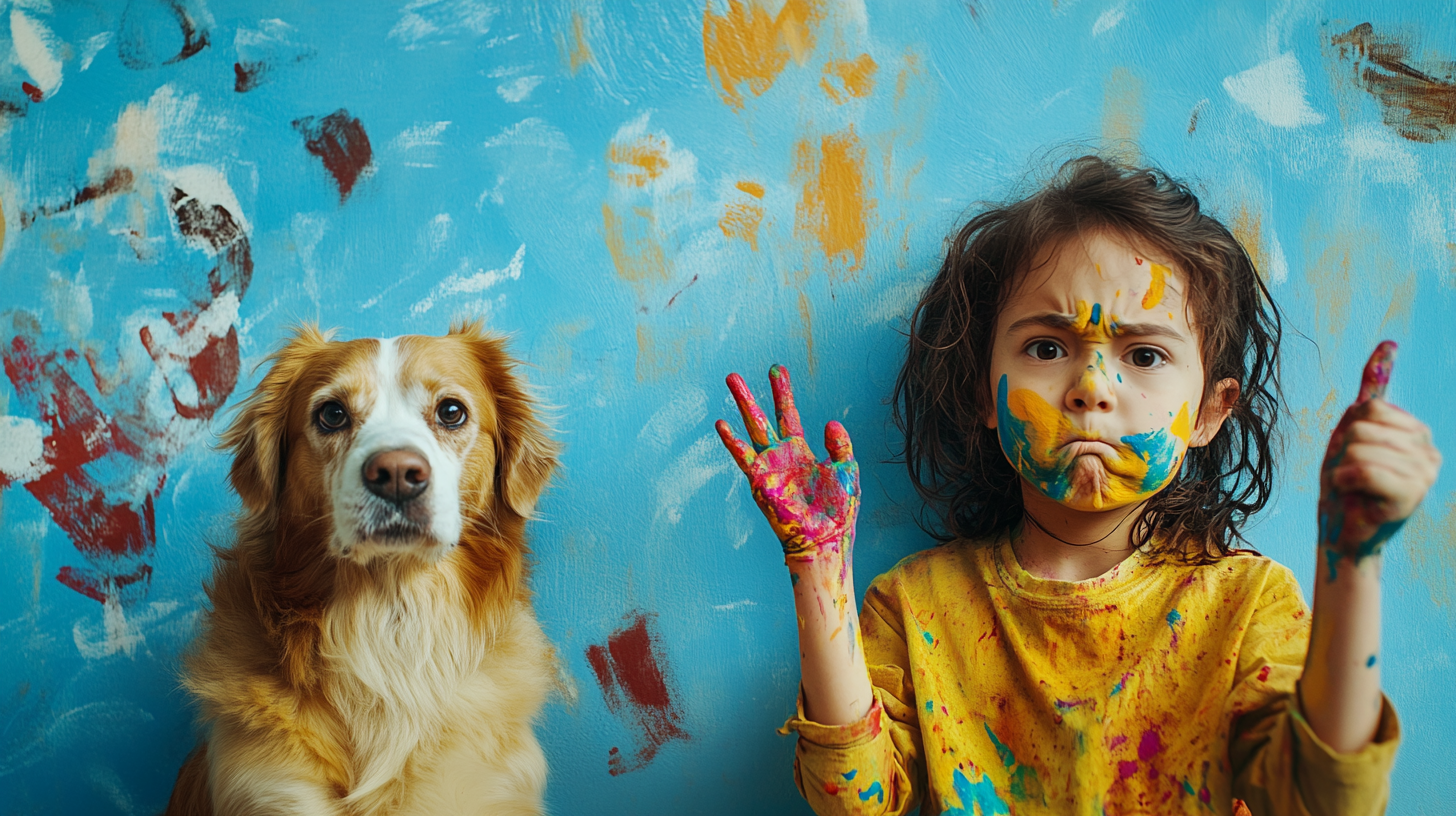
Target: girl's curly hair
<point x="943" y="393"/>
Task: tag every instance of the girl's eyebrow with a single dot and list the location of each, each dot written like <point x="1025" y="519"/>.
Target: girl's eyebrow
<point x="1057" y="320"/>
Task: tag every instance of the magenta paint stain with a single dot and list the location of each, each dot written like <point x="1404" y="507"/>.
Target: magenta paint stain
<point x="1150" y="745"/>
<point x="632" y="674"/>
<point x="340" y="143"/>
<point x="1127" y="768"/>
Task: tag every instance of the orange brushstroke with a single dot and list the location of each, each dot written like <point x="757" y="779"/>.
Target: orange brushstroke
<point x="741" y="220"/>
<point x="753" y="188"/>
<point x="834" y="208"/>
<point x="574" y="46"/>
<point x="744" y="46"/>
<point x="856" y="78"/>
<point x="634" y="246"/>
<point x="644" y="160"/>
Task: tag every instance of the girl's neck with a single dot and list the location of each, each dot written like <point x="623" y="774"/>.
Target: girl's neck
<point x="1062" y="544"/>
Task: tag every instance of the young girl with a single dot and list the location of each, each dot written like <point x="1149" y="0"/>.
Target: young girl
<point x="1088" y="404"/>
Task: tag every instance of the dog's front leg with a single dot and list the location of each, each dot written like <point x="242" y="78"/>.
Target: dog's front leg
<point x="267" y="773"/>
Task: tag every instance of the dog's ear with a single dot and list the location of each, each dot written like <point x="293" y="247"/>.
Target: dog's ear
<point x="525" y="452"/>
<point x="258" y="435"/>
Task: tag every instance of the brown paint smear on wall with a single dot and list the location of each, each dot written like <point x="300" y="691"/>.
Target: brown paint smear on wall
<point x="1417" y="104"/>
<point x="1248" y="230"/>
<point x="747" y="47"/>
<point x="1431" y="540"/>
<point x="834" y="208"/>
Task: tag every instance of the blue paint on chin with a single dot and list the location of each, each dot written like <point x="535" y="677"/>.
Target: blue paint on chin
<point x="1016" y="445"/>
<point x="1160" y="450"/>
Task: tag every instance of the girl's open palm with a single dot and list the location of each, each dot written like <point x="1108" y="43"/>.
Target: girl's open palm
<point x="811" y="505"/>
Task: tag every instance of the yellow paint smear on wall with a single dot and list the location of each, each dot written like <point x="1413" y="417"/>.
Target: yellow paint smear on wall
<point x="746" y="47"/>
<point x="1248" y="230"/>
<point x="740" y="220"/>
<point x="575" y="50"/>
<point x="753" y="188"/>
<point x="1122" y="111"/>
<point x="634" y="245"/>
<point x="834" y="208"/>
<point x="849" y="78"/>
<point x="639" y="161"/>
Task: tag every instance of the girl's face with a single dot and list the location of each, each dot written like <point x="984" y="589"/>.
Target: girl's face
<point x="1097" y="375"/>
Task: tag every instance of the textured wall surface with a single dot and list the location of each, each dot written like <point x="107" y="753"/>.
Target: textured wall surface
<point x="646" y="196"/>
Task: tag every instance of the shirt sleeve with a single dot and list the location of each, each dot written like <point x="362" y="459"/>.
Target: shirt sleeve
<point x="871" y="766"/>
<point x="1280" y="766"/>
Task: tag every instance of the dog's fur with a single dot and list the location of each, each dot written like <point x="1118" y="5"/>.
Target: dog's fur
<point x="355" y="661"/>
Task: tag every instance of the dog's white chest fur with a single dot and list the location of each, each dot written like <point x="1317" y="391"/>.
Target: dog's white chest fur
<point x="431" y="730"/>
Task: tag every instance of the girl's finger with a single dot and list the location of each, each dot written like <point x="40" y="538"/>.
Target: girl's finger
<point x="1377" y="372"/>
<point x="759" y="432"/>
<point x="742" y="454"/>
<point x="783" y="395"/>
<point x="1379" y="483"/>
<point x="1373" y="432"/>
<point x="836" y="441"/>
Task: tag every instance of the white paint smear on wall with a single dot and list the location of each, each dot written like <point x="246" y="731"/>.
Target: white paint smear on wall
<point x="518" y="89"/>
<point x="22" y="449"/>
<point x="532" y="132"/>
<point x="466" y="282"/>
<point x="117" y="633"/>
<point x="1274" y="92"/>
<point x="1108" y="20"/>
<point x="681" y="414"/>
<point x="93" y="47"/>
<point x="687" y="474"/>
<point x="426" y="22"/>
<point x="68" y="728"/>
<point x="35" y="48"/>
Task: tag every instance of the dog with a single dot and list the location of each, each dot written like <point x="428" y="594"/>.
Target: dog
<point x="370" y="646"/>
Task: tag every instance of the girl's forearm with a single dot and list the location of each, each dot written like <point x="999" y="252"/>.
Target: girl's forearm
<point x="1340" y="691"/>
<point x="836" y="680"/>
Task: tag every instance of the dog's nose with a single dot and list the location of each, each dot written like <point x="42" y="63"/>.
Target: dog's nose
<point x="397" y="475"/>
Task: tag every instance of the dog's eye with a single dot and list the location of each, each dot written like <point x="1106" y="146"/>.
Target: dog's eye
<point x="332" y="416"/>
<point x="450" y="413"/>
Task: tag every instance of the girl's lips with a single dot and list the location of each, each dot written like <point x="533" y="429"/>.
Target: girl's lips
<point x="1087" y="447"/>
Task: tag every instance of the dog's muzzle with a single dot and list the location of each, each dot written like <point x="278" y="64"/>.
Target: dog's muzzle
<point x="401" y="479"/>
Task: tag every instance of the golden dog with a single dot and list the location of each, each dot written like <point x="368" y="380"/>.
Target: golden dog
<point x="370" y="646"/>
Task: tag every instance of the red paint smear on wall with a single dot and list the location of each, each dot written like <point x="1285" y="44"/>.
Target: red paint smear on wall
<point x="629" y="668"/>
<point x="340" y="142"/>
<point x="85" y="448"/>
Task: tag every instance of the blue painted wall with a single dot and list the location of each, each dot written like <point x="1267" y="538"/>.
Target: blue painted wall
<point x="646" y="196"/>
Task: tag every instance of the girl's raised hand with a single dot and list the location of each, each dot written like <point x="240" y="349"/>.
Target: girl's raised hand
<point x="810" y="505"/>
<point x="1379" y="464"/>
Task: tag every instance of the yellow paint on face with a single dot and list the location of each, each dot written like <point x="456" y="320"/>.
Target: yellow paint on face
<point x="1035" y="436"/>
<point x="1159" y="283"/>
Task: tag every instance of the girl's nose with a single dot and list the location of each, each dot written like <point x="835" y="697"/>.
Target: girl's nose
<point x="1093" y="389"/>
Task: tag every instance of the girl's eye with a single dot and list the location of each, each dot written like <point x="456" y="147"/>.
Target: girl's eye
<point x="1046" y="350"/>
<point x="332" y="417"/>
<point x="1145" y="357"/>
<point x="450" y="413"/>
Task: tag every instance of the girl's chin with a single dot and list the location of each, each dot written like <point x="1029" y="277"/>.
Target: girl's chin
<point x="1095" y="489"/>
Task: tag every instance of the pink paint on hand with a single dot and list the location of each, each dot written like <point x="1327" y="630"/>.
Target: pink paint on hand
<point x="810" y="505"/>
<point x="1377" y="372"/>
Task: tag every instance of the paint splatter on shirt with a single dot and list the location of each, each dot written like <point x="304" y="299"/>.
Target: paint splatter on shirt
<point x="1155" y="728"/>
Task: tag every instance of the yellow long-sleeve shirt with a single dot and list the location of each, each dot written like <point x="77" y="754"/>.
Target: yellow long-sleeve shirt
<point x="1155" y="688"/>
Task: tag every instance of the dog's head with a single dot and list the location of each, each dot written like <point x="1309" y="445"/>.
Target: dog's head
<point x="390" y="448"/>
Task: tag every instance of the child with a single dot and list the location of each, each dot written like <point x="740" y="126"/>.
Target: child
<point x="1088" y="404"/>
